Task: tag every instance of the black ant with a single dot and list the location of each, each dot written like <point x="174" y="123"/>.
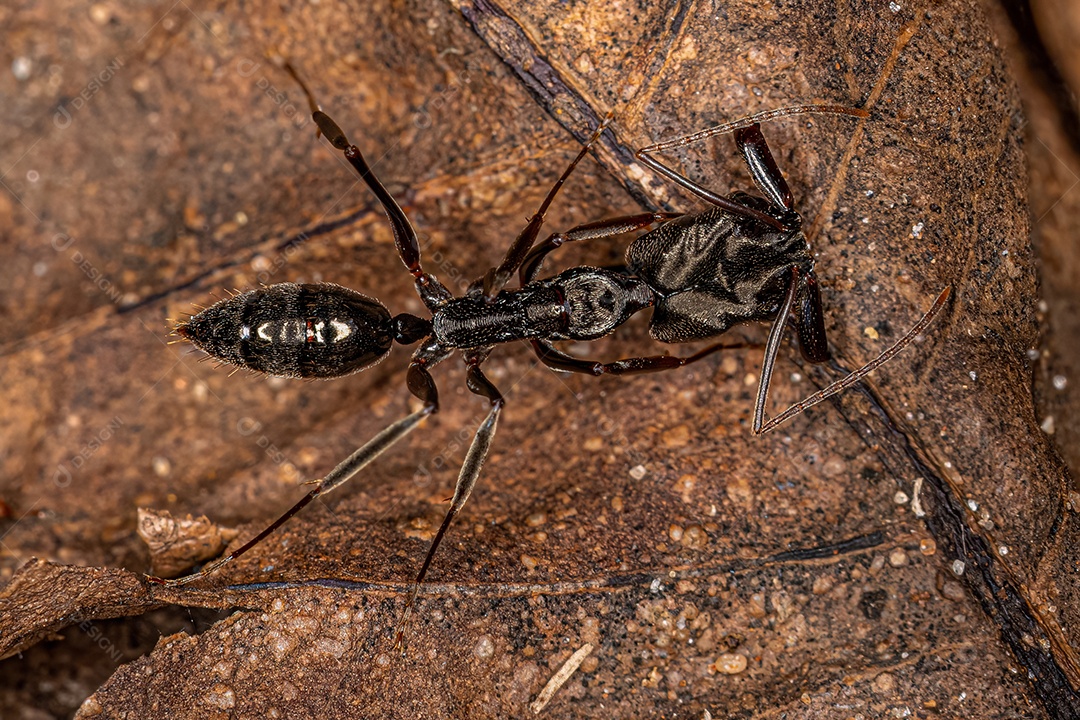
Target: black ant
<point x="744" y="259"/>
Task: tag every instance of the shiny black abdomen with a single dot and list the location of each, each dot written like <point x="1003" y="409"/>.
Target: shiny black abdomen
<point x="311" y="331"/>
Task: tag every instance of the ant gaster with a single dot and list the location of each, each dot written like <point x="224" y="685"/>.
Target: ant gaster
<point x="743" y="259"/>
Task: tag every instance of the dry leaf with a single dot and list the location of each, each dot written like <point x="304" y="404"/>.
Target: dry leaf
<point x="906" y="551"/>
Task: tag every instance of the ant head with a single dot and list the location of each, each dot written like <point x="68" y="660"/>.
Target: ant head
<point x="289" y="330"/>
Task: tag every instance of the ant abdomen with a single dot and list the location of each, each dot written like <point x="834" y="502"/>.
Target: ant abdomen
<point x="310" y="331"/>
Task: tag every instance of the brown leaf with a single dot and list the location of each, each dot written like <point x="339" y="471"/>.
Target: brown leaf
<point x="176" y="545"/>
<point x="710" y="570"/>
<point x="1049" y="78"/>
<point x="44" y="597"/>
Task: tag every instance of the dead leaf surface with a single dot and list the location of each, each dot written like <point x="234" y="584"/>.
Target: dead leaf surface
<point x="638" y="515"/>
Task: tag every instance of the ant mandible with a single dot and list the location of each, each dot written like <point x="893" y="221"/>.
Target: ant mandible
<point x="744" y="259"/>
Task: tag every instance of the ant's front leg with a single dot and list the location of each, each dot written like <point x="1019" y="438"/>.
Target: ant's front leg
<point x="558" y="360"/>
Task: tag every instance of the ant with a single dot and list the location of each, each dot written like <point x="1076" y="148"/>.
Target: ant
<point x="744" y="259"/>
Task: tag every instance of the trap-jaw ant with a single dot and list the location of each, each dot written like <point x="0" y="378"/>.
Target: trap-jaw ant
<point x="743" y="259"/>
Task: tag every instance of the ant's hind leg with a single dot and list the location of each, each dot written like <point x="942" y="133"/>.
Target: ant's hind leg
<point x="431" y="291"/>
<point x="470" y="471"/>
<point x="422" y="385"/>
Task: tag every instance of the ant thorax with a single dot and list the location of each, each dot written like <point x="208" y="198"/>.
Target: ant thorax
<point x="582" y="303"/>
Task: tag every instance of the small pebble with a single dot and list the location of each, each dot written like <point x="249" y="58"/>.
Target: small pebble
<point x="484" y="648"/>
<point x="757" y="605"/>
<point x="695" y="537"/>
<point x="822" y="585"/>
<point x="99" y="13"/>
<point x="730" y="664"/>
<point x="953" y="590"/>
<point x="162" y="467"/>
<point x="677" y="436"/>
<point x="21" y="67"/>
<point x="884" y="683"/>
<point x="536" y="519"/>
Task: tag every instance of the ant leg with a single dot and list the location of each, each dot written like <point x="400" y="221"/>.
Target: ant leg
<point x="846" y="382"/>
<point x="759" y="160"/>
<point x="421" y="384"/>
<point x="559" y="360"/>
<point x="809" y="321"/>
<point x="755" y="119"/>
<point x="431" y="290"/>
<point x="470" y="471"/>
<point x="763" y="168"/>
<point x="772" y="349"/>
<point x="496" y="278"/>
<point x="589" y="231"/>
